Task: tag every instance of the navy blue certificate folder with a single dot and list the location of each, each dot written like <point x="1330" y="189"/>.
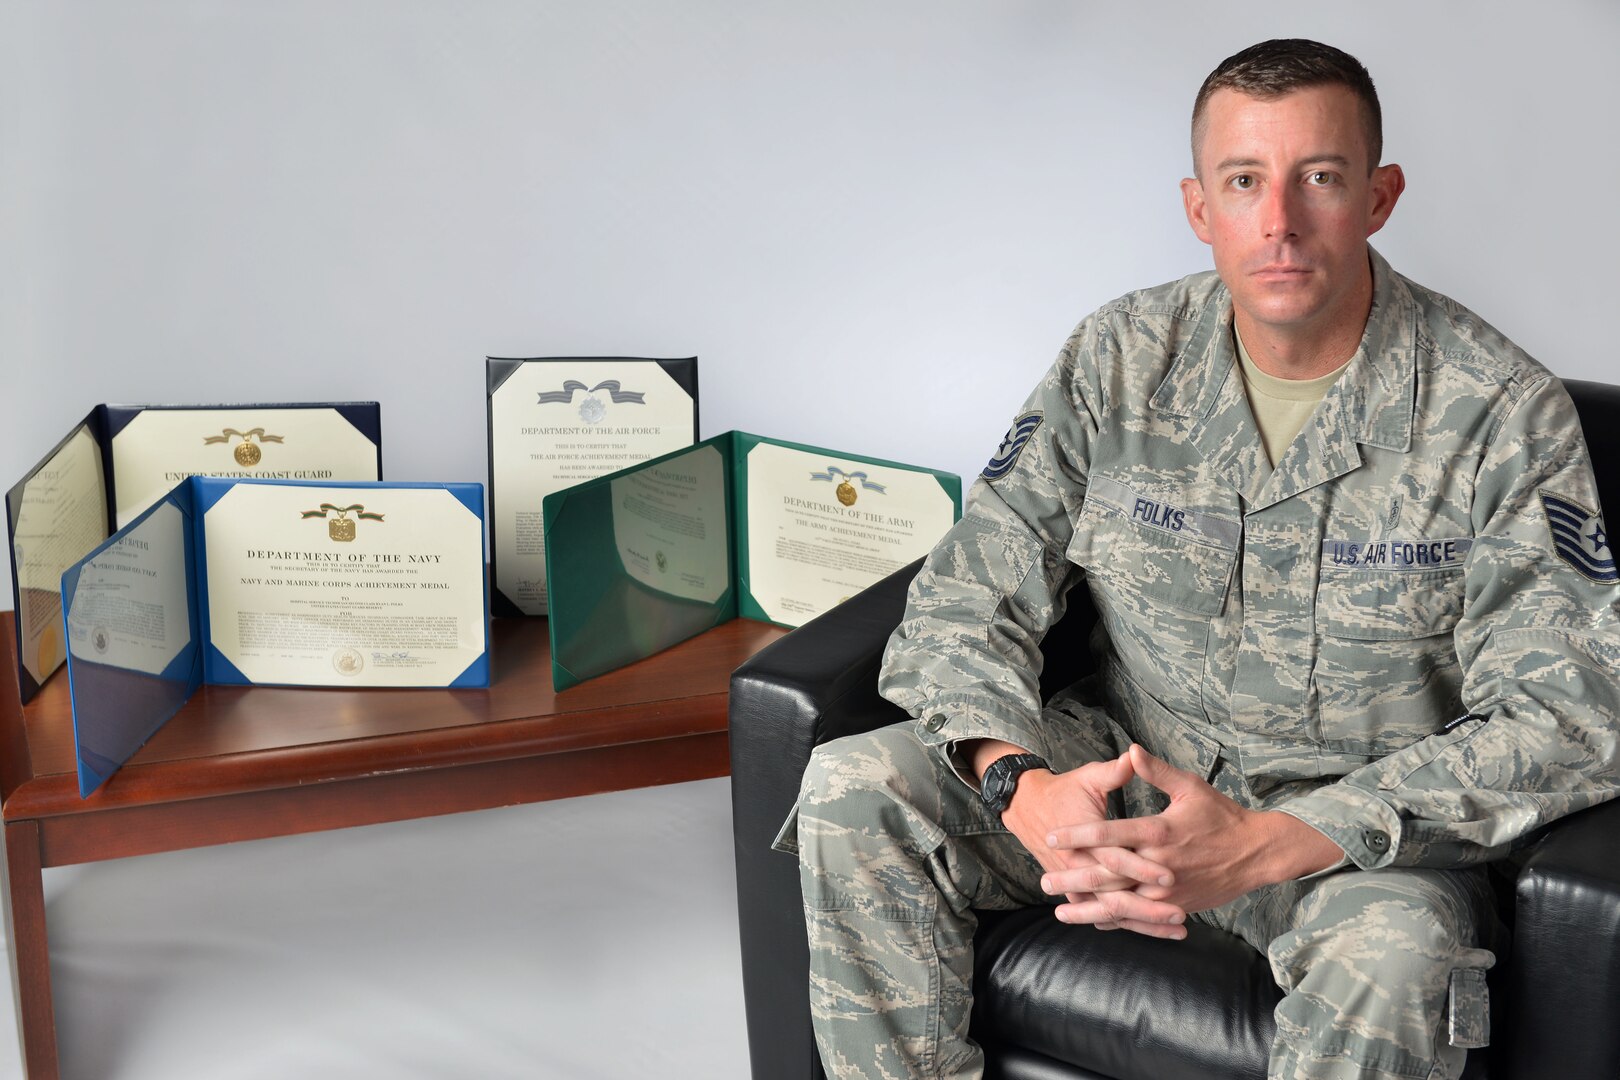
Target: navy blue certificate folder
<point x="290" y="583"/>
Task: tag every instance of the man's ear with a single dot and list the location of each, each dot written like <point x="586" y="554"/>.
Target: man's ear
<point x="1192" y="199"/>
<point x="1387" y="184"/>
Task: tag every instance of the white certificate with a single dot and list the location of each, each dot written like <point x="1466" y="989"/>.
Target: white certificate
<point x="130" y="606"/>
<point x="333" y="586"/>
<point x="61" y="518"/>
<point x="556" y="424"/>
<point x="669" y="522"/>
<point x="161" y="447"/>
<point x="822" y="528"/>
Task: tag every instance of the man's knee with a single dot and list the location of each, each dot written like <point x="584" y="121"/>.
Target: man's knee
<point x="1373" y="964"/>
<point x="884" y="779"/>
<point x="862" y="836"/>
<point x="1386" y="924"/>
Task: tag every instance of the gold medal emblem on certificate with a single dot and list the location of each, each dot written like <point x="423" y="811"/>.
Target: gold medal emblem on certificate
<point x="342" y="527"/>
<point x="348" y="661"/>
<point x="846" y="490"/>
<point x="246" y="452"/>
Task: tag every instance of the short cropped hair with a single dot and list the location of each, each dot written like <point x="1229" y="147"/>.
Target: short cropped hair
<point x="1281" y="66"/>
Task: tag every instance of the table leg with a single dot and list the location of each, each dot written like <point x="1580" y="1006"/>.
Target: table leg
<point x="24" y="888"/>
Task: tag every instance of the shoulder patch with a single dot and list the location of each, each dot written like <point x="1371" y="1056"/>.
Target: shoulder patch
<point x="1006" y="456"/>
<point x="1579" y="538"/>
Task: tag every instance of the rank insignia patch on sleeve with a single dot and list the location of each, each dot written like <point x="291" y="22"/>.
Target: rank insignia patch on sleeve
<point x="1017" y="438"/>
<point x="1579" y="538"/>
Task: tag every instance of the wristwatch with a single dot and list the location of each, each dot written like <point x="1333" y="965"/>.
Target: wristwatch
<point x="1001" y="778"/>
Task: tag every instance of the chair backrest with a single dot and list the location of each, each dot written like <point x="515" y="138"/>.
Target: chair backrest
<point x="1599" y="406"/>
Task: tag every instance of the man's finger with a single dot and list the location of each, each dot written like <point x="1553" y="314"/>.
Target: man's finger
<point x="1161" y="774"/>
<point x="1168" y="931"/>
<point x="1115" y="773"/>
<point x="1118" y="907"/>
<point x="1084" y="879"/>
<point x="1126" y="869"/>
<point x="1128" y="864"/>
<point x="1105" y="879"/>
<point x="1140" y="832"/>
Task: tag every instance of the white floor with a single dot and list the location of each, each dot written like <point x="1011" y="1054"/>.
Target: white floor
<point x="580" y="939"/>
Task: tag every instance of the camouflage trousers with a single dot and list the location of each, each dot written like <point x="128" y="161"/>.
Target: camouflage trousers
<point x="1381" y="970"/>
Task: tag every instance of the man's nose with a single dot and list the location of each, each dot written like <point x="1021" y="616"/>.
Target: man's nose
<point x="1279" y="214"/>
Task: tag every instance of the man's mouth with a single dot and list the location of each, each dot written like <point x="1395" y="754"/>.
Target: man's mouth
<point x="1281" y="272"/>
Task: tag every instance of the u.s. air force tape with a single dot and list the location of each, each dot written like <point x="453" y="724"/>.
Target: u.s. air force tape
<point x="1579" y="539"/>
<point x="1441" y="553"/>
<point x="1163" y="515"/>
<point x="1006" y="456"/>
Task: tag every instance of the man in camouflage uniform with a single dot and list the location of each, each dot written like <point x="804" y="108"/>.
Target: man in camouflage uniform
<point x="1344" y="661"/>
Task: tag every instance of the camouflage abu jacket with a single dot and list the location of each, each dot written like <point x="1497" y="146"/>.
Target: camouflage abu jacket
<point x="1406" y="635"/>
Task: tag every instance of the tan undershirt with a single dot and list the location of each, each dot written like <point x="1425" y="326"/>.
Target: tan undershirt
<point x="1281" y="406"/>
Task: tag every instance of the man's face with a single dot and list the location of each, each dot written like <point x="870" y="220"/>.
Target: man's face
<point x="1285" y="199"/>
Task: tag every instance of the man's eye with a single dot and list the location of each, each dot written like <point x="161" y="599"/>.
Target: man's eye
<point x="1242" y="182"/>
<point x="1320" y="178"/>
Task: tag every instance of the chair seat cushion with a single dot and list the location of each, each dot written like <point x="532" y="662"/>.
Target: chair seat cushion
<point x="1059" y="1002"/>
<point x="1122" y="1005"/>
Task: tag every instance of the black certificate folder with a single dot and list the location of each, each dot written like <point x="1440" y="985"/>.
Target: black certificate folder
<point x="121" y="459"/>
<point x="555" y="421"/>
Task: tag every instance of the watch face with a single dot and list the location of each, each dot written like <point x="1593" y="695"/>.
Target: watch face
<point x="1001" y="778"/>
<point x="998" y="791"/>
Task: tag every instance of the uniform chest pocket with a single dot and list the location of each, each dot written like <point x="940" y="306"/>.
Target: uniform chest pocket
<point x="1386" y="671"/>
<point x="1137" y="559"/>
<point x="1389" y="605"/>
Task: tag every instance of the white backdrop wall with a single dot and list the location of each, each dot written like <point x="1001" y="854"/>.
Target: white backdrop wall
<point x="874" y="222"/>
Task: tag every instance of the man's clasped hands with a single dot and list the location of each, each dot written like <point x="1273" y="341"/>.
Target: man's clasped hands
<point x="1149" y="873"/>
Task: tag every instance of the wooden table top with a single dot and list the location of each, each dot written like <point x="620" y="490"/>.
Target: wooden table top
<point x="232" y="739"/>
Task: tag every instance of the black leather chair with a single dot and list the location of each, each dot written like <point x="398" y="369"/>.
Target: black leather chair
<point x="1056" y="1001"/>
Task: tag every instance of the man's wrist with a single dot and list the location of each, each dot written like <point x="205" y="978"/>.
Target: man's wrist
<point x="1291" y="849"/>
<point x="983" y="753"/>
<point x="1000" y="781"/>
<point x="1028" y="780"/>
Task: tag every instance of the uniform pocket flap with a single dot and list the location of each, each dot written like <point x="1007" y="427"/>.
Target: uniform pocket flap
<point x="1387" y="606"/>
<point x="1188" y="574"/>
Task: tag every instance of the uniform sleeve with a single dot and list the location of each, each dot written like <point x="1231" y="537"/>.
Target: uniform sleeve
<point x="965" y="659"/>
<point x="1539" y="647"/>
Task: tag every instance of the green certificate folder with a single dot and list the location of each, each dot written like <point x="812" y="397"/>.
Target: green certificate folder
<point x="737" y="525"/>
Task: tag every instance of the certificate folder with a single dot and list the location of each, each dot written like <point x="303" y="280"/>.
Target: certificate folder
<point x="120" y="459"/>
<point x="555" y="421"/>
<point x="649" y="556"/>
<point x="292" y="583"/>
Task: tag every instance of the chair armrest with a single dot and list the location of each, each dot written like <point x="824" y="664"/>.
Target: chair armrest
<point x="1564" y="978"/>
<point x="815" y="684"/>
<point x="820" y="682"/>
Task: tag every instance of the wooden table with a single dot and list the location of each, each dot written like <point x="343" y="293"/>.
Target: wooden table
<point x="245" y="763"/>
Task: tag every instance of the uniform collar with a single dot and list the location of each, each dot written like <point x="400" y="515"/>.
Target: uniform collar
<point x="1370" y="405"/>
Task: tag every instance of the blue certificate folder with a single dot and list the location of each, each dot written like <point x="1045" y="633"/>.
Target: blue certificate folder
<point x="143" y="633"/>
